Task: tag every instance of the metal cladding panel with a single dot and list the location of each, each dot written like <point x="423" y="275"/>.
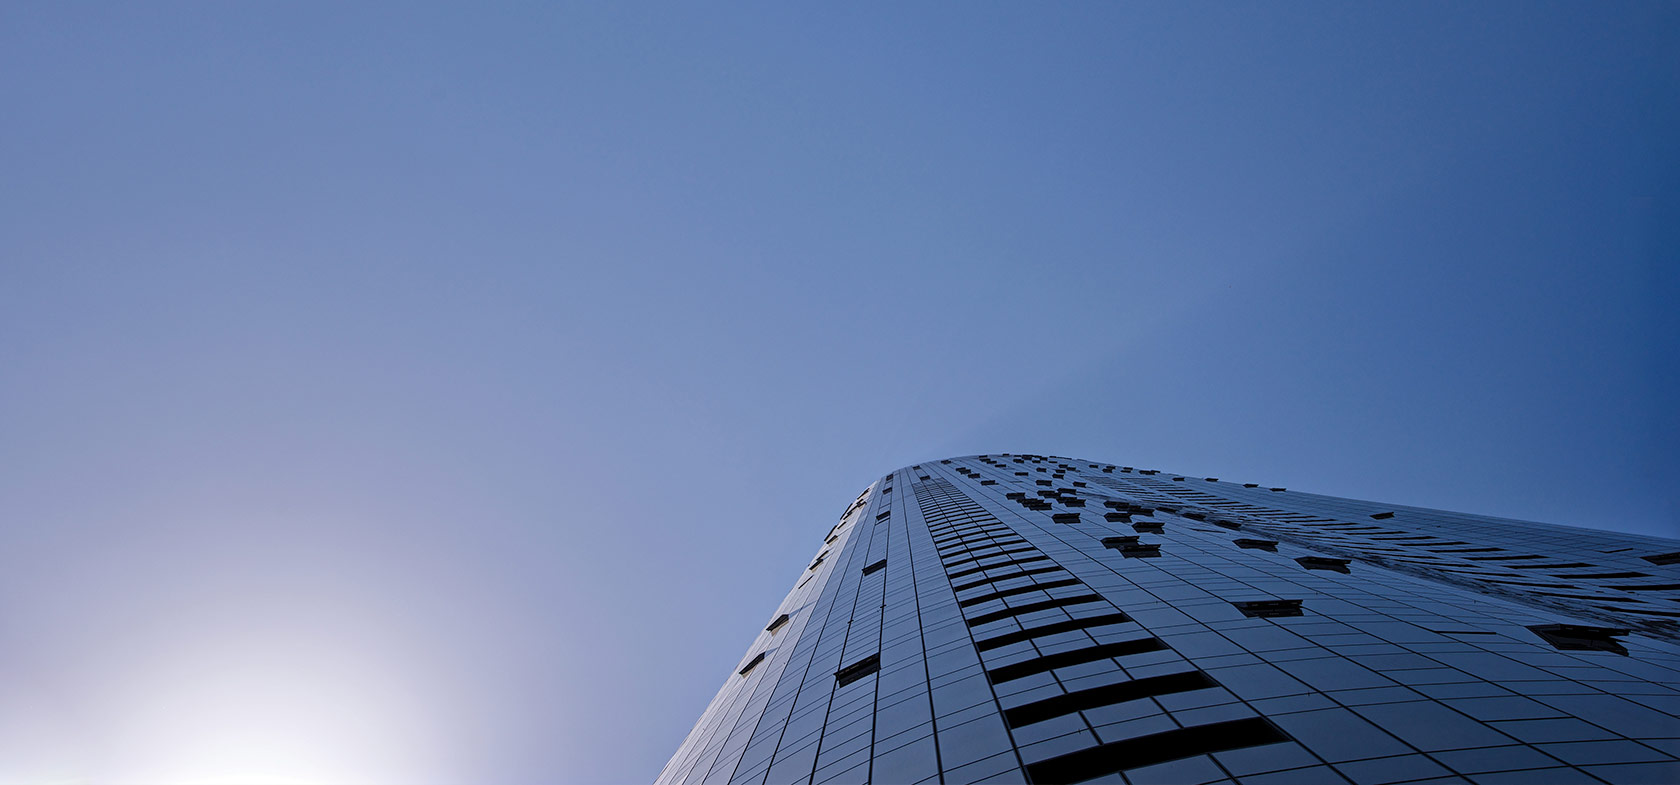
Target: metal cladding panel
<point x="1026" y="618"/>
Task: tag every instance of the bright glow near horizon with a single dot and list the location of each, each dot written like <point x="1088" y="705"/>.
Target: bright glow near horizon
<point x="270" y="702"/>
<point x="267" y="709"/>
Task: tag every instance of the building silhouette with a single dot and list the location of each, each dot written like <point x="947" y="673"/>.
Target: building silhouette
<point x="1024" y="618"/>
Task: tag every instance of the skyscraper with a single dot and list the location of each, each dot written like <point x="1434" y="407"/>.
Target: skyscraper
<point x="1023" y="618"/>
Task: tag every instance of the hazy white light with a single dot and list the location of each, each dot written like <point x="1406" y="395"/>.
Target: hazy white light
<point x="299" y="707"/>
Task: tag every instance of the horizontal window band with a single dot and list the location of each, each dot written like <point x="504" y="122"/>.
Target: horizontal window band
<point x="976" y="544"/>
<point x="1595" y="597"/>
<point x="1491" y="579"/>
<point x="944" y="529"/>
<point x="1054" y="602"/>
<point x="1004" y="552"/>
<point x="1013" y="591"/>
<point x="1077" y="657"/>
<point x="1106" y="695"/>
<point x="1153" y="749"/>
<point x="1020" y="574"/>
<point x="985" y="567"/>
<point x="941" y="542"/>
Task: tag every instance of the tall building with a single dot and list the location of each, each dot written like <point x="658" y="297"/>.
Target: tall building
<point x="1023" y="618"/>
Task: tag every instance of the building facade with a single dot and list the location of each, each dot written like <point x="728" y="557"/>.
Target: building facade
<point x="1024" y="618"/>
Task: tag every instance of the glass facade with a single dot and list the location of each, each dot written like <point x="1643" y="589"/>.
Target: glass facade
<point x="1026" y="618"/>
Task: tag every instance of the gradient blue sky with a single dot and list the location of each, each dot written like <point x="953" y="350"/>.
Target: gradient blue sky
<point x="447" y="395"/>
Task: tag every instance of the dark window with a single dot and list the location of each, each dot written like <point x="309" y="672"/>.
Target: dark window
<point x="1324" y="563"/>
<point x="780" y="620"/>
<point x="1382" y="516"/>
<point x="1119" y="541"/>
<point x="1065" y="517"/>
<point x="1664" y="558"/>
<point x="883" y="515"/>
<point x="1269" y="609"/>
<point x="1264" y="545"/>
<point x="1147" y="526"/>
<point x="1093" y="762"/>
<point x="876" y="566"/>
<point x="1117" y="517"/>
<point x="1575" y="638"/>
<point x="752" y="663"/>
<point x="857" y="670"/>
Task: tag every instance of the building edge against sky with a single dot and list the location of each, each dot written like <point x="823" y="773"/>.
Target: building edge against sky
<point x="1026" y="618"/>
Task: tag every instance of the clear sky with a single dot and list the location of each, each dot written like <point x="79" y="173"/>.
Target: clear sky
<point x="417" y="395"/>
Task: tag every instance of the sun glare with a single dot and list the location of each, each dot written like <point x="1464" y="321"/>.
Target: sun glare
<point x="305" y="710"/>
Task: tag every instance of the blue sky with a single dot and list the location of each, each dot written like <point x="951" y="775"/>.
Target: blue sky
<point x="446" y="395"/>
